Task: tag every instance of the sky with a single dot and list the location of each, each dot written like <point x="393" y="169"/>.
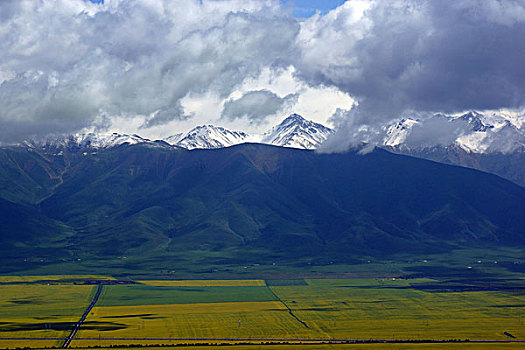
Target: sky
<point x="160" y="67"/>
<point x="308" y="8"/>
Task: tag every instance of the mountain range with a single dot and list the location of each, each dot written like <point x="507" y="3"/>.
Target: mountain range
<point x="294" y="131"/>
<point x="204" y="197"/>
<point x="494" y="143"/>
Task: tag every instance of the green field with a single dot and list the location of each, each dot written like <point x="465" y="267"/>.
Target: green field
<point x="348" y="308"/>
<point x="132" y="295"/>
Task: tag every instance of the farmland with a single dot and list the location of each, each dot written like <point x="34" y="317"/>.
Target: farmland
<point x="40" y="311"/>
<point x="252" y="311"/>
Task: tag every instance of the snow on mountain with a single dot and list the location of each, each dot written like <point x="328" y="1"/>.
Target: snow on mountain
<point x="397" y="133"/>
<point x="487" y="133"/>
<point x="294" y="131"/>
<point x="297" y="132"/>
<point x="87" y="140"/>
<point x="208" y="136"/>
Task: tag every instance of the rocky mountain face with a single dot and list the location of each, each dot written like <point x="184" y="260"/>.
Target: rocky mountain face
<point x="207" y="136"/>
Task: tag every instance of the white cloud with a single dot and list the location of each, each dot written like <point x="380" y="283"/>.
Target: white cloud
<point x="73" y="60"/>
<point x="165" y="65"/>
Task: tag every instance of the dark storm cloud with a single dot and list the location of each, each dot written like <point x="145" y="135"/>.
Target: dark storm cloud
<point x="419" y="56"/>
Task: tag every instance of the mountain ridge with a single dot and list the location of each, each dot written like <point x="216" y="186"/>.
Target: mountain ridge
<point x="491" y="143"/>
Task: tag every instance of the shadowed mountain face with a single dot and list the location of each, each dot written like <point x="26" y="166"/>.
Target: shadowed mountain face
<point x="510" y="166"/>
<point x="138" y="199"/>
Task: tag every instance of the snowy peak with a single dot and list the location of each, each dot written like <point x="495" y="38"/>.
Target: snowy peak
<point x="474" y="119"/>
<point x="87" y="140"/>
<point x="297" y="132"/>
<point x="483" y="133"/>
<point x="294" y="131"/>
<point x="293" y="119"/>
<point x="397" y="133"/>
<point x="207" y="136"/>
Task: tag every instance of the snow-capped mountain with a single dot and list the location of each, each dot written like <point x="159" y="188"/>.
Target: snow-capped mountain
<point x="208" y="136"/>
<point x="87" y="140"/>
<point x="294" y="132"/>
<point x="493" y="143"/>
<point x="297" y="132"/>
<point x="480" y="133"/>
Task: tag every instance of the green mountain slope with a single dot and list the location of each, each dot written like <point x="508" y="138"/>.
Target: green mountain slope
<point x="266" y="202"/>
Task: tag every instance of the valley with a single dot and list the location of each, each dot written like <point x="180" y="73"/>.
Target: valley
<point x="147" y="244"/>
<point x="262" y="174"/>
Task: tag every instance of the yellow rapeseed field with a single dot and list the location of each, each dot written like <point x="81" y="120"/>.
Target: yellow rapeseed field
<point x="390" y="310"/>
<point x="320" y="309"/>
<point x="36" y="310"/>
<point x="32" y="279"/>
<point x="269" y="319"/>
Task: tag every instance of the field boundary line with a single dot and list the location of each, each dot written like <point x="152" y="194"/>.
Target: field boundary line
<point x="305" y="340"/>
<point x="286" y="306"/>
<point x="83" y="318"/>
<point x="317" y="340"/>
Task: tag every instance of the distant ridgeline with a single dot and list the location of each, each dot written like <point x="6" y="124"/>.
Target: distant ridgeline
<point x="251" y="202"/>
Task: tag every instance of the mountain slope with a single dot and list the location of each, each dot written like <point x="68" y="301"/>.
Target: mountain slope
<point x="282" y="201"/>
<point x="510" y="166"/>
<point x="24" y="231"/>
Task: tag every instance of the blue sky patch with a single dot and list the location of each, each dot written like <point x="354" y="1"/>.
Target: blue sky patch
<point x="308" y="8"/>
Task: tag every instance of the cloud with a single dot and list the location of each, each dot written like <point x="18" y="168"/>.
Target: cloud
<point x="166" y="115"/>
<point x="437" y="130"/>
<point x="64" y="63"/>
<point x="256" y="105"/>
<point x="401" y="57"/>
<point x="70" y="61"/>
